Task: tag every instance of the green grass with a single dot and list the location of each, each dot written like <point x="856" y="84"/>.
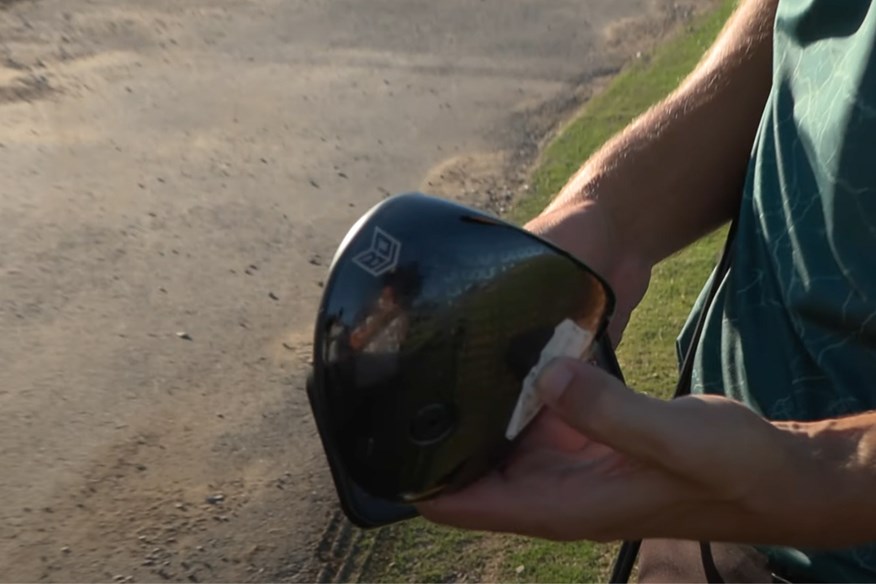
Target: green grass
<point x="417" y="551"/>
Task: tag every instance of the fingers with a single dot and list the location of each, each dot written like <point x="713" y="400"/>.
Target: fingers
<point x="602" y="408"/>
<point x="525" y="504"/>
<point x="710" y="442"/>
<point x="566" y="503"/>
<point x="549" y="431"/>
<point x="476" y="507"/>
<point x="636" y="462"/>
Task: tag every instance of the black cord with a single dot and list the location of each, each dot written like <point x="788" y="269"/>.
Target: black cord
<point x="625" y="561"/>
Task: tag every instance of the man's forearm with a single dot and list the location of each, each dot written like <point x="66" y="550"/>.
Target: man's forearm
<point x="821" y="493"/>
<point x="677" y="172"/>
<point x="837" y="480"/>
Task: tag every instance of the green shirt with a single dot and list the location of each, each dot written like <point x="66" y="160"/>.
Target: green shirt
<point x="792" y="332"/>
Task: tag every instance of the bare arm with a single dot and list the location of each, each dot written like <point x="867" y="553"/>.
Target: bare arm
<point x="676" y="173"/>
<point x="830" y="499"/>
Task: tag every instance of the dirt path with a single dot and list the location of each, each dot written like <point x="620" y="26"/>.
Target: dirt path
<point x="174" y="177"/>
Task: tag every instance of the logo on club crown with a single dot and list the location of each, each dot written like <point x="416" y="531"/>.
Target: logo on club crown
<point x="382" y="256"/>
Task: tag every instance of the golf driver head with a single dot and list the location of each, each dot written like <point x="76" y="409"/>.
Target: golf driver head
<point x="433" y="320"/>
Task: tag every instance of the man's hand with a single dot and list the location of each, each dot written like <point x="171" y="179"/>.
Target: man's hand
<point x="606" y="463"/>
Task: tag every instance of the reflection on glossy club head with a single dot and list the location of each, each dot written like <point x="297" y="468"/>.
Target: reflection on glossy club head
<point x="432" y="318"/>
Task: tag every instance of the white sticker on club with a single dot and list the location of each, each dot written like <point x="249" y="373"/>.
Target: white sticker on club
<point x="568" y="340"/>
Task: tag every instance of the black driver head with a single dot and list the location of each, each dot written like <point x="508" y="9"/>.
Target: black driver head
<point x="433" y="316"/>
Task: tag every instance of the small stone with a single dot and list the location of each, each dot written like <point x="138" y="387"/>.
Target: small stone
<point x="65" y="549"/>
<point x="200" y="548"/>
<point x="314" y="184"/>
<point x="118" y="578"/>
<point x="287" y="346"/>
<point x="215" y="499"/>
<point x="184" y="335"/>
<point x="519" y="569"/>
<point x="180" y="505"/>
<point x="342" y="175"/>
<point x="272" y="296"/>
<point x="148" y="562"/>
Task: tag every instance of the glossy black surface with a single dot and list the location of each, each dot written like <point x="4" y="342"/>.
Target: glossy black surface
<point x="432" y="315"/>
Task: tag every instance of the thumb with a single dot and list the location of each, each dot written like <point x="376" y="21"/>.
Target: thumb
<point x="601" y="407"/>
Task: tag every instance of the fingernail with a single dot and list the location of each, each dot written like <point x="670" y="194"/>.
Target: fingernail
<point x="553" y="381"/>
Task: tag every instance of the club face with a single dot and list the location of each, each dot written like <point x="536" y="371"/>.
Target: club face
<point x="432" y="316"/>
